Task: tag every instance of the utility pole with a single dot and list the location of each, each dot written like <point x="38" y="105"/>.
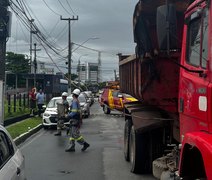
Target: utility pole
<point x="99" y="67"/>
<point x="35" y="62"/>
<point x="69" y="49"/>
<point x="31" y="32"/>
<point x="115" y="75"/>
<point x="4" y="33"/>
<point x="79" y="73"/>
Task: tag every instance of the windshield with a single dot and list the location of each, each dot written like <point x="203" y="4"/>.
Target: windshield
<point x="53" y="102"/>
<point x="127" y="96"/>
<point x="89" y="94"/>
<point x="82" y="99"/>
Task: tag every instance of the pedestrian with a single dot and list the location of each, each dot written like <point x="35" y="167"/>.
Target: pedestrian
<point x="60" y="121"/>
<point x="74" y="115"/>
<point x="40" y="97"/>
<point x="32" y="99"/>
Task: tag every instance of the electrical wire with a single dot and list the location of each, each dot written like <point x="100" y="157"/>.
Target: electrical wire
<point x="70" y="7"/>
<point x="64" y="7"/>
<point x="51" y="8"/>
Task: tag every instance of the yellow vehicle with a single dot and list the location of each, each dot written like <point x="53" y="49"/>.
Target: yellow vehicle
<point x="113" y="99"/>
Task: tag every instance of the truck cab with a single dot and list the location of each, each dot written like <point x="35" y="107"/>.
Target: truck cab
<point x="173" y="88"/>
<point x="195" y="91"/>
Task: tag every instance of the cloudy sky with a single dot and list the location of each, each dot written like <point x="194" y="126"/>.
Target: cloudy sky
<point x="103" y="25"/>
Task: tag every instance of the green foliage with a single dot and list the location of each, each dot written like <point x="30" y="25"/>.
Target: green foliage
<point x="17" y="63"/>
<point x="17" y="129"/>
<point x="102" y="85"/>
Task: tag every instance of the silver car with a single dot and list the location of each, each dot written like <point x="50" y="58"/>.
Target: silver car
<point x="90" y="97"/>
<point x="84" y="105"/>
<point x="11" y="159"/>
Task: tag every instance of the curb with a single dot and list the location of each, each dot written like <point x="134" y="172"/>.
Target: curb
<point x="20" y="139"/>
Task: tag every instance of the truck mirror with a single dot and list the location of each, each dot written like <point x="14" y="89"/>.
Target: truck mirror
<point x="167" y="27"/>
<point x="195" y="15"/>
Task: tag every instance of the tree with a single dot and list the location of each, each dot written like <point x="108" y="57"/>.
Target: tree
<point x="17" y="63"/>
<point x="16" y="66"/>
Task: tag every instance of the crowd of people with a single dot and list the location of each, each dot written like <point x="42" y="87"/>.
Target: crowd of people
<point x="36" y="99"/>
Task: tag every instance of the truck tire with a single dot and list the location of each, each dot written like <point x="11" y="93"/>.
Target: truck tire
<point x="144" y="148"/>
<point x="127" y="128"/>
<point x="139" y="153"/>
<point x="106" y="109"/>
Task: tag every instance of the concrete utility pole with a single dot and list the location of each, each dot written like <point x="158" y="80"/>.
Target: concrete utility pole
<point x="99" y="68"/>
<point x="79" y="73"/>
<point x="69" y="49"/>
<point x="35" y="62"/>
<point x="31" y="32"/>
<point x="4" y="33"/>
<point x="115" y="75"/>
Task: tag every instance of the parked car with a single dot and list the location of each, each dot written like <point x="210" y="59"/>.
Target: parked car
<point x="88" y="100"/>
<point x="84" y="104"/>
<point x="90" y="96"/>
<point x="12" y="165"/>
<point x="50" y="114"/>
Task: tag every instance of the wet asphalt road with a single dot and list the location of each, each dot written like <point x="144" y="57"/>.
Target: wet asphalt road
<point x="46" y="159"/>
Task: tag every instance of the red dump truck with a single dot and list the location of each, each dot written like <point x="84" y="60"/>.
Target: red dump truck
<point x="168" y="131"/>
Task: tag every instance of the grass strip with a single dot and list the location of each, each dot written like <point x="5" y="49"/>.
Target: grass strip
<point x="24" y="126"/>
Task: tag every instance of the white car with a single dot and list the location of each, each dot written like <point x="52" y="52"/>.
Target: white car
<point x="50" y="114"/>
<point x="12" y="164"/>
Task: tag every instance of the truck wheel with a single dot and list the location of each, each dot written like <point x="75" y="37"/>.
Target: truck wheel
<point x="106" y="110"/>
<point x="139" y="152"/>
<point x="127" y="128"/>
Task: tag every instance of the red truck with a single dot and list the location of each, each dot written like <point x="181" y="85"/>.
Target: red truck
<point x="169" y="130"/>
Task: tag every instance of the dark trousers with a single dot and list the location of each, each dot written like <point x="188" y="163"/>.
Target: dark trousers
<point x="40" y="109"/>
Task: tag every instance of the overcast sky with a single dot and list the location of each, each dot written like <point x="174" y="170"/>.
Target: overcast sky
<point x="108" y="20"/>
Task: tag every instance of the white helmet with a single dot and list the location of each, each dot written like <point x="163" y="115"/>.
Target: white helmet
<point x="76" y="92"/>
<point x="65" y="94"/>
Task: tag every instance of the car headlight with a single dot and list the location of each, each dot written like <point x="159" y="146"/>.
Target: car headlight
<point x="46" y="114"/>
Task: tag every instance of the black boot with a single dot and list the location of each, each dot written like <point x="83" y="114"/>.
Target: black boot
<point x="70" y="149"/>
<point x="58" y="134"/>
<point x="85" y="146"/>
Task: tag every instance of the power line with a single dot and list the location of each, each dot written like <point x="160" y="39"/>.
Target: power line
<point x="51" y="8"/>
<point x="64" y="7"/>
<point x="70" y="7"/>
